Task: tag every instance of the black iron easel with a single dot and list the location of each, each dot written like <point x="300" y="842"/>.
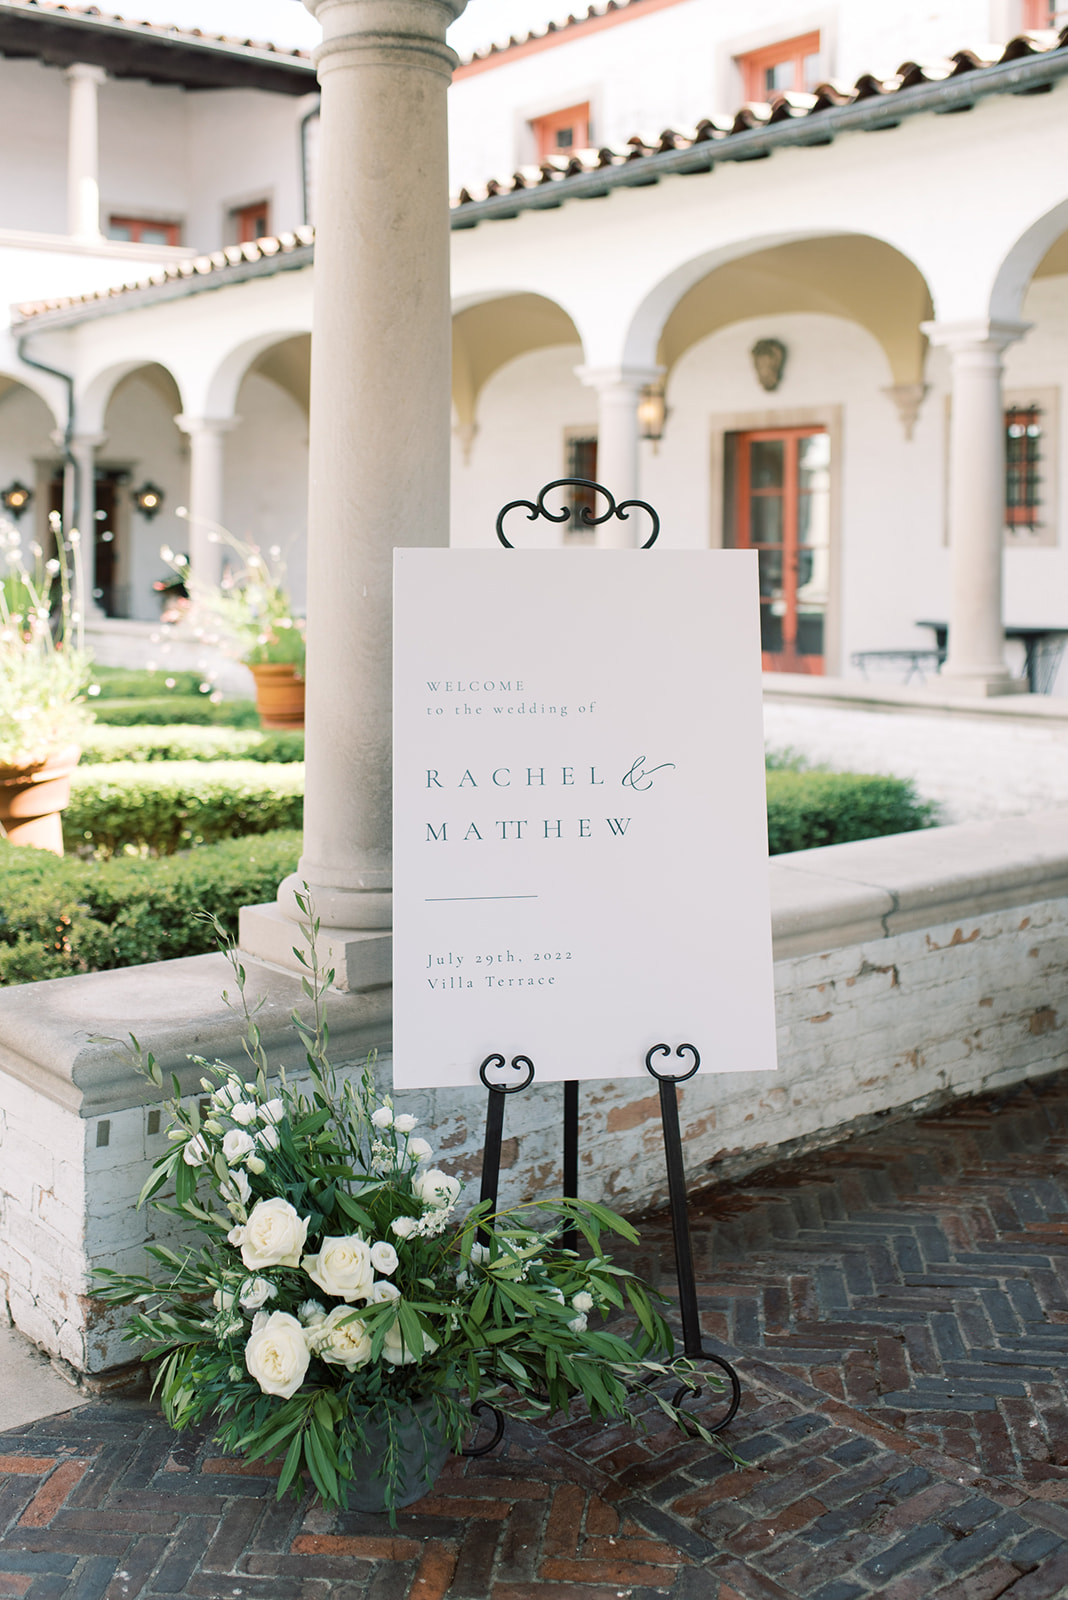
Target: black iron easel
<point x="693" y="1346"/>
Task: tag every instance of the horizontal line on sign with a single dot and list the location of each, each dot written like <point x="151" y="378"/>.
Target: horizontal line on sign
<point x="438" y="898"/>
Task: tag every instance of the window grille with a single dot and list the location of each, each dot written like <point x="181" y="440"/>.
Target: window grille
<point x="1023" y="454"/>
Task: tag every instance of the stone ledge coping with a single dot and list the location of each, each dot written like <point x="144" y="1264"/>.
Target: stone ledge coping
<point x="821" y="900"/>
<point x="854" y="694"/>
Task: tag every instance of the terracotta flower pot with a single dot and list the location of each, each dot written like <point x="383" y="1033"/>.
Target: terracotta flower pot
<point x="279" y="695"/>
<point x="32" y="797"/>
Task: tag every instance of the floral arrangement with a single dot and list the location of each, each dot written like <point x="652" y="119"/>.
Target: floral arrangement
<point x="44" y="670"/>
<point x="339" y="1307"/>
<point x="249" y="610"/>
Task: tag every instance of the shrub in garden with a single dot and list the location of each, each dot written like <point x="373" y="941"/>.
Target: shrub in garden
<point x="185" y="742"/>
<point x="138" y="683"/>
<point x="186" y="709"/>
<point x="807" y="809"/>
<point x="161" y="807"/>
<point x="60" y="916"/>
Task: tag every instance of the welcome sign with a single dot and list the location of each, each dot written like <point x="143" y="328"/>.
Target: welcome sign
<point x="580" y="835"/>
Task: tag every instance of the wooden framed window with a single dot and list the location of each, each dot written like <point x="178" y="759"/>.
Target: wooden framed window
<point x="144" y="230"/>
<point x="251" y="222"/>
<point x="1038" y="14"/>
<point x="777" y="502"/>
<point x="561" y="132"/>
<point x="580" y="461"/>
<point x="793" y="64"/>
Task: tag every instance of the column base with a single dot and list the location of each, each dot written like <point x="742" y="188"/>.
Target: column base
<point x="977" y="686"/>
<point x="362" y="959"/>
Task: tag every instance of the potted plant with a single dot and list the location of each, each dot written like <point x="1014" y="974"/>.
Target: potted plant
<point x="251" y="614"/>
<point x="339" y="1315"/>
<point x="44" y="675"/>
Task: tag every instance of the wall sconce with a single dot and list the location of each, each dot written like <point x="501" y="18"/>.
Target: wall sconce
<point x="148" y="500"/>
<point x="16" y="498"/>
<point x="652" y="413"/>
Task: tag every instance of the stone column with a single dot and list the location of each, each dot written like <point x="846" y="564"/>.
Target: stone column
<point x="619" y="390"/>
<point x="976" y="660"/>
<point x="206" y="463"/>
<point x="83" y="152"/>
<point x="378" y="449"/>
<point x="84" y="447"/>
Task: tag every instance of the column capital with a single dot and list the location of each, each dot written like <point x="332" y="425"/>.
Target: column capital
<point x="85" y="72"/>
<point x="629" y="379"/>
<point x="980" y="334"/>
<point x="385" y="33"/>
<point x="201" y="425"/>
<point x="88" y="441"/>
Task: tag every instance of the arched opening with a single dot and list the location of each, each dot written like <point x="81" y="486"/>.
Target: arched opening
<point x="265" y="496"/>
<point x="139" y="476"/>
<point x="30" y="461"/>
<point x="520" y="415"/>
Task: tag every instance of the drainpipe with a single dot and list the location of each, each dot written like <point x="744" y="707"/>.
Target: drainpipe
<point x="69" y="458"/>
<point x="306" y="119"/>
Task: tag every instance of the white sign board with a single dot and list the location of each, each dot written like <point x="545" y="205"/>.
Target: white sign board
<point x="580" y="833"/>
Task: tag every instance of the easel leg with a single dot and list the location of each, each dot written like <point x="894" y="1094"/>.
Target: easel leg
<point x="569" y="1239"/>
<point x="680" y="1222"/>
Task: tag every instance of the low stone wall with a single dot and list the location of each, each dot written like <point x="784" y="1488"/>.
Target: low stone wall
<point x="908" y="971"/>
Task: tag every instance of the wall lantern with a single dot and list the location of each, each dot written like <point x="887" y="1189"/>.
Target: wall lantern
<point x="769" y="362"/>
<point x="652" y="412"/>
<point x="16" y="498"/>
<point x="148" y="500"/>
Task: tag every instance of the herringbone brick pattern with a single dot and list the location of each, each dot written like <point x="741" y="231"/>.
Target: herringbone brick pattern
<point x="898" y="1309"/>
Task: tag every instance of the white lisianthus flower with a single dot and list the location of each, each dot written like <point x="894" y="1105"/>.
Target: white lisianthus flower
<point x="244" y="1112"/>
<point x="582" y="1301"/>
<point x="404" y="1227"/>
<point x="479" y="1253"/>
<point x="405" y="1123"/>
<point x="196" y="1151"/>
<point x="238" y="1187"/>
<point x="223" y="1299"/>
<point x="395" y="1351"/>
<point x="236" y="1236"/>
<point x="436" y="1188"/>
<point x="382" y="1291"/>
<point x="273" y="1111"/>
<point x="383" y="1117"/>
<point x="237" y="1144"/>
<point x="274" y="1236"/>
<point x="420" y="1149"/>
<point x="342" y="1268"/>
<point x="383" y="1257"/>
<point x="342" y="1339"/>
<point x="211" y="1126"/>
<point x="277" y="1353"/>
<point x="255" y="1292"/>
<point x="255" y="1166"/>
<point x="578" y="1324"/>
<point x="311" y="1312"/>
<point x="267" y="1137"/>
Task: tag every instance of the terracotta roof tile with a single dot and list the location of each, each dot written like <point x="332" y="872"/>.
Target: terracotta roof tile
<point x="162" y="30"/>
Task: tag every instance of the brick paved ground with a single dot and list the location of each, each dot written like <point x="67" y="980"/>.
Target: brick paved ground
<point x="899" y="1311"/>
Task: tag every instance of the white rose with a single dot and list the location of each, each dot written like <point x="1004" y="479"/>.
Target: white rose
<point x="274" y="1235"/>
<point x="244" y="1112"/>
<point x="383" y="1257"/>
<point x="273" y="1111"/>
<point x="405" y="1124"/>
<point x="582" y="1301"/>
<point x="255" y="1166"/>
<point x="342" y="1339"/>
<point x="310" y="1311"/>
<point x="578" y="1324"/>
<point x="268" y="1137"/>
<point x="256" y="1292"/>
<point x="276" y="1353"/>
<point x="237" y="1145"/>
<point x="383" y="1291"/>
<point x="404" y="1227"/>
<point x="436" y="1188"/>
<point x="342" y="1268"/>
<point x="196" y="1151"/>
<point x="397" y="1352"/>
<point x="383" y="1117"/>
<point x="419" y="1149"/>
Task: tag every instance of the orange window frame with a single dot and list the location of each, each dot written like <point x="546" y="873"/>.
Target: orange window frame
<point x="1038" y="14"/>
<point x="788" y="659"/>
<point x="137" y="226"/>
<point x="546" y="129"/>
<point x="755" y="64"/>
<point x="247" y="223"/>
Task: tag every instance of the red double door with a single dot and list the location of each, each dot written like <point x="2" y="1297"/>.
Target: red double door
<point x="777" y="503"/>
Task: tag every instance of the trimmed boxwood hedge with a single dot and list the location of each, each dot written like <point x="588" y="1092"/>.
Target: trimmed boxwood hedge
<point x="179" y="708"/>
<point x="807" y="809"/>
<point x="62" y="916"/>
<point x="161" y="807"/>
<point x="127" y="683"/>
<point x="189" y="743"/>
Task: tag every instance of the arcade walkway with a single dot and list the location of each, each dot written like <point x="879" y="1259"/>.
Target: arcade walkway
<point x="898" y="1309"/>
